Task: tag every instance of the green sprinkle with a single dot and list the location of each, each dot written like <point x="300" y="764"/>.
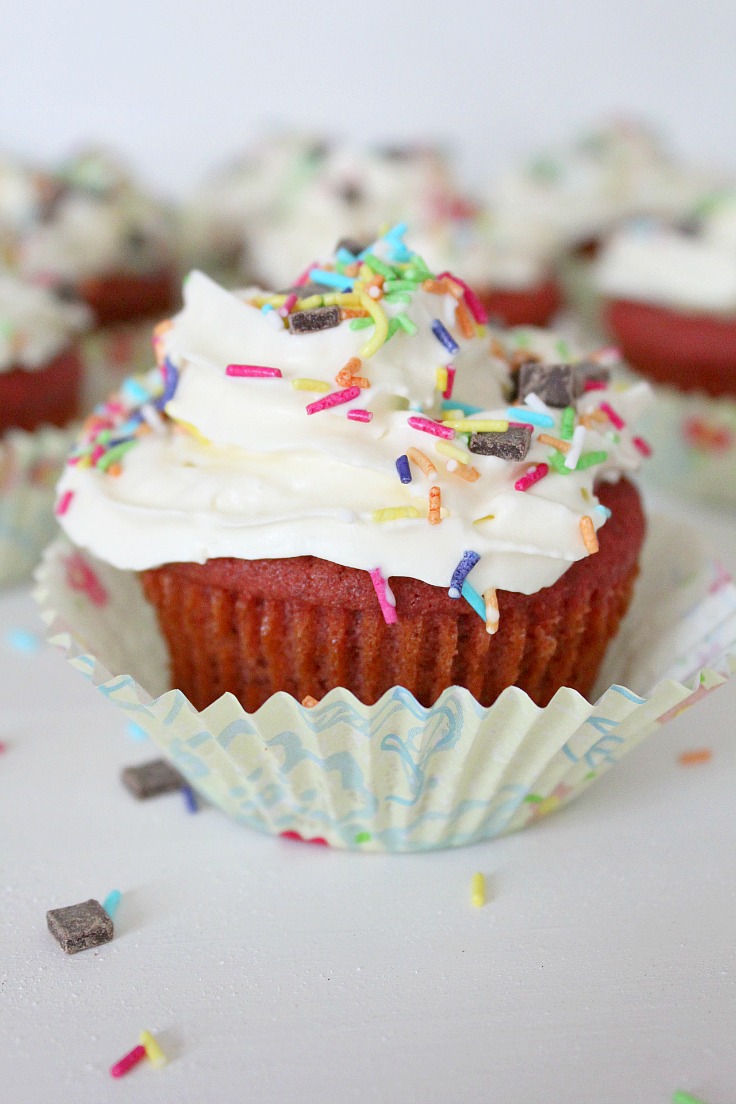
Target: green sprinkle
<point x="615" y="437"/>
<point x="589" y="775"/>
<point x="361" y="323"/>
<point x="685" y="1098"/>
<point x="379" y="266"/>
<point x="397" y="297"/>
<point x="393" y="326"/>
<point x="114" y="454"/>
<point x="567" y="425"/>
<point x="522" y="339"/>
<point x="533" y="798"/>
<point x="406" y="324"/>
<point x="363" y="837"/>
<point x="563" y="349"/>
<point x="588" y="459"/>
<point x="400" y="285"/>
<point x="419" y="266"/>
<point x="557" y="461"/>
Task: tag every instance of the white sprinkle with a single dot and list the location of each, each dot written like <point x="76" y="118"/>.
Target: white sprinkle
<point x="534" y="402"/>
<point x="578" y="440"/>
<point x="152" y="418"/>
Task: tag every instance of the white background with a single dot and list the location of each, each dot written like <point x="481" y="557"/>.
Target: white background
<point x="178" y="86"/>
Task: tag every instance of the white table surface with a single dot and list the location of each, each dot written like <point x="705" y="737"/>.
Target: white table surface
<point x="600" y="970"/>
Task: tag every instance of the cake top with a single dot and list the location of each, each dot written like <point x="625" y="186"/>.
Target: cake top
<point x="688" y="266"/>
<point x="35" y="324"/>
<point x="324" y="420"/>
<point x="96" y="222"/>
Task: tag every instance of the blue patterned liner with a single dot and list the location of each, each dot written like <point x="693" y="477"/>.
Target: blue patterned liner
<point x="394" y="776"/>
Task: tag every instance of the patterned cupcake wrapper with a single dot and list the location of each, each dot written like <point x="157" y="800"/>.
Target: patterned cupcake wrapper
<point x="30" y="467"/>
<point x="396" y="776"/>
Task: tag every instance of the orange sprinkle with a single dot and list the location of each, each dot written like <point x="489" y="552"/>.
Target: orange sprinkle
<point x="115" y="469"/>
<point x="492" y="617"/>
<point x="423" y="462"/>
<point x="353" y="312"/>
<point x="454" y="289"/>
<point x="346" y="378"/>
<point x="162" y="327"/>
<point x="555" y="442"/>
<point x="435" y="505"/>
<point x="497" y="349"/>
<point x="587" y="531"/>
<point x="434" y="287"/>
<point x="464" y="471"/>
<point x="309" y="702"/>
<point x="464" y="320"/>
<point x="352" y="269"/>
<point x="695" y="757"/>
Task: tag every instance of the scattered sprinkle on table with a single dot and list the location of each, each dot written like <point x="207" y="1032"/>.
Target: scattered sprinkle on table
<point x="478" y="890"/>
<point x="22" y="640"/>
<point x="695" y="757"/>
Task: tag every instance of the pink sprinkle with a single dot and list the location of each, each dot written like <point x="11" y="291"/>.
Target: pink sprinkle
<point x="594" y="385"/>
<point x="255" y="371"/>
<point x="136" y="1055"/>
<point x="426" y="425"/>
<point x="447" y="393"/>
<point x="97" y="453"/>
<point x="475" y="306"/>
<point x="360" y="415"/>
<point x="291" y="300"/>
<point x="3" y="747"/>
<point x="336" y="398"/>
<point x="522" y="425"/>
<point x="643" y="446"/>
<point x="607" y="354"/>
<point x="381" y="588"/>
<point x="531" y="477"/>
<point x="304" y="278"/>
<point x="64" y="503"/>
<point x="616" y="421"/>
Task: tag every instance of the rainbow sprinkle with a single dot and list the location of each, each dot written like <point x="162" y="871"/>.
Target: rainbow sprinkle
<point x="337" y="398"/>
<point x="461" y="572"/>
<point x="253" y="371"/>
<point x="386" y="600"/>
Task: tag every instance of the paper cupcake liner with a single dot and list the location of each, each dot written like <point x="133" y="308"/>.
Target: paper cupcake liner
<point x="396" y="776"/>
<point x="30" y="467"/>
<point x="111" y="354"/>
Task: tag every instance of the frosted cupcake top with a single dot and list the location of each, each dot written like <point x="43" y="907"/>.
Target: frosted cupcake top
<point x="585" y="188"/>
<point x="35" y="325"/>
<point x="23" y="190"/>
<point x="326" y="421"/>
<point x="690" y="268"/>
<point x="97" y="223"/>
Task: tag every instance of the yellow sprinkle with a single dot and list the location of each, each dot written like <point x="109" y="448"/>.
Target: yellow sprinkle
<point x="441" y="376"/>
<point x="454" y="415"/>
<point x="423" y="462"/>
<point x="309" y="702"/>
<point x="435" y="503"/>
<point x="479" y="330"/>
<point x="380" y="332"/>
<point x="310" y="303"/>
<point x="588" y="533"/>
<point x="391" y="513"/>
<point x="451" y="450"/>
<point x="309" y="385"/>
<point x="273" y="300"/>
<point x="468" y="425"/>
<point x="492" y="615"/>
<point x="154" y="1053"/>
<point x="478" y="890"/>
<point x="585" y="493"/>
<point x="341" y="299"/>
<point x="190" y="429"/>
<point x="486" y="517"/>
<point x="555" y="442"/>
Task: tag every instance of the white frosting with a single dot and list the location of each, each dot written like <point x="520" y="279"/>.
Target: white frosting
<point x="264" y="479"/>
<point x="101" y="224"/>
<point x="20" y="202"/>
<point x="34" y="324"/>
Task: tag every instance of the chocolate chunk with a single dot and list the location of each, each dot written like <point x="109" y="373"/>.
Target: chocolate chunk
<point x="589" y="370"/>
<point x="304" y="290"/>
<point x="554" y="384"/>
<point x="152" y="779"/>
<point x="513" y="444"/>
<point x="310" y="321"/>
<point x="352" y="245"/>
<point x="78" y="927"/>
<point x="351" y="193"/>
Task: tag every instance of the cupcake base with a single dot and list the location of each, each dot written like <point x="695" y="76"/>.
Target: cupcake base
<point x="306" y="626"/>
<point x="48" y="395"/>
<point x="129" y="296"/>
<point x="533" y="306"/>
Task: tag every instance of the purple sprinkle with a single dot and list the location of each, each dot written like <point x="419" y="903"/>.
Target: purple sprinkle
<point x="402" y="467"/>
<point x="190" y="799"/>
<point x="461" y="572"/>
<point x="444" y="336"/>
<point x="171" y="379"/>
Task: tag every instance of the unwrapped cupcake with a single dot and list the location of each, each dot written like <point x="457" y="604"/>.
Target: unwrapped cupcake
<point x="312" y="513"/>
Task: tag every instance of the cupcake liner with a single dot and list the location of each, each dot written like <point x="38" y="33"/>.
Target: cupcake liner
<point x="396" y="776"/>
<point x="30" y="467"/>
<point x="111" y="354"/>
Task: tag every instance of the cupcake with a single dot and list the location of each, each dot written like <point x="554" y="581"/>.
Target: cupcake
<point x="41" y="377"/>
<point x="305" y="515"/>
<point x="670" y="304"/>
<point x="24" y="191"/>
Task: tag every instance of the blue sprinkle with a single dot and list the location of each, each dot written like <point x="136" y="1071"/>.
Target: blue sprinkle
<point x="267" y="307"/>
<point x="331" y="279"/>
<point x="190" y="799"/>
<point x="471" y="595"/>
<point x="344" y="256"/>
<point x="603" y="510"/>
<point x="463" y="569"/>
<point x="111" y="902"/>
<point x="521" y="414"/>
<point x="21" y="640"/>
<point x="402" y="467"/>
<point x="135" y="392"/>
<point x="444" y="336"/>
<point x="136" y="732"/>
<point x="453" y="404"/>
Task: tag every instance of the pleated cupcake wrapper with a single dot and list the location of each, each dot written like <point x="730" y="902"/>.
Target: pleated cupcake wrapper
<point x="30" y="467"/>
<point x="396" y="776"/>
<point x="111" y="354"/>
<point x="693" y="437"/>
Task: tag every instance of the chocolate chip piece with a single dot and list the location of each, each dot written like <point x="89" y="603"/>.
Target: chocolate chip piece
<point x="554" y="384"/>
<point x="513" y="444"/>
<point x="352" y="245"/>
<point x="78" y="927"/>
<point x="351" y="193"/>
<point x="152" y="779"/>
<point x="310" y="321"/>
<point x="304" y="290"/>
<point x="589" y="370"/>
